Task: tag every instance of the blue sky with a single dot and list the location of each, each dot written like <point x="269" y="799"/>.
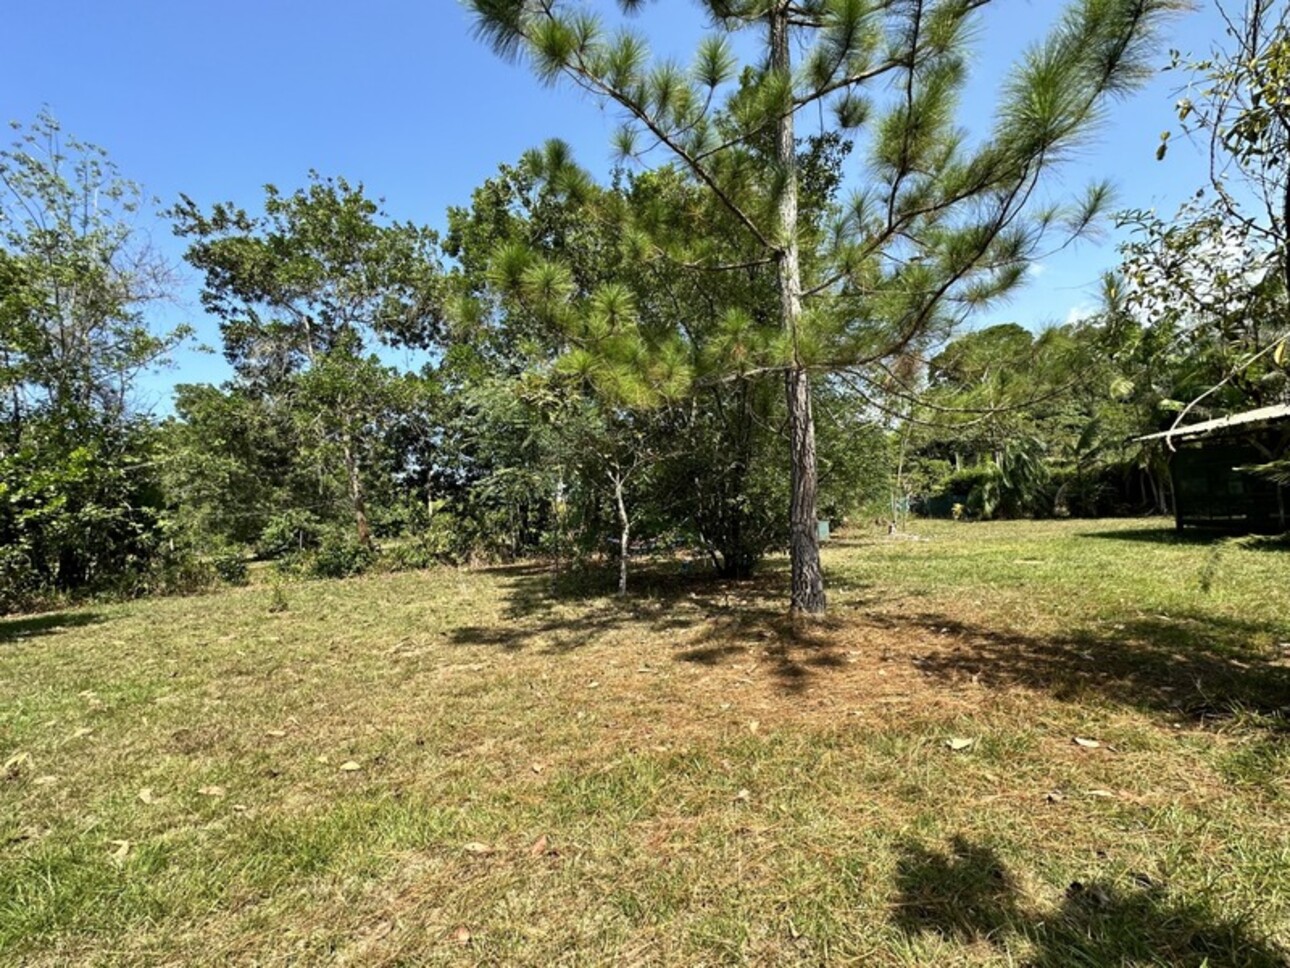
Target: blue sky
<point x="216" y="99"/>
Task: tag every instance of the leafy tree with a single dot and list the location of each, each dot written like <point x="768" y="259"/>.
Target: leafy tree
<point x="1202" y="298"/>
<point x="231" y="464"/>
<point x="938" y="226"/>
<point x="78" y="499"/>
<point x="1238" y="99"/>
<point x="304" y="293"/>
<point x="1012" y="422"/>
<point x="78" y="274"/>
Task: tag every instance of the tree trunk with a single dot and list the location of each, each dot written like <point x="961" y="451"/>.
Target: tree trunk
<point x="807" y="595"/>
<point x="356" y="497"/>
<point x="624" y="534"/>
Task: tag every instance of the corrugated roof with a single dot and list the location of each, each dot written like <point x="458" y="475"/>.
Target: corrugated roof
<point x="1262" y="415"/>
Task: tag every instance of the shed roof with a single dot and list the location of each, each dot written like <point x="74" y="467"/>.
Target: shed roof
<point x="1250" y="419"/>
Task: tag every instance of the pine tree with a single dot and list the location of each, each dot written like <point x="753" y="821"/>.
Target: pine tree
<point x="939" y="224"/>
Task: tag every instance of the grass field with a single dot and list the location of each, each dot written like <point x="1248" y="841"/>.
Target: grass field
<point x="492" y="767"/>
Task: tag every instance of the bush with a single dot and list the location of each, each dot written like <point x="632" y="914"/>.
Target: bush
<point x="444" y="540"/>
<point x="290" y="532"/>
<point x="19" y="583"/>
<point x="181" y="573"/>
<point x="339" y="557"/>
<point x="986" y="496"/>
<point x="410" y="556"/>
<point x="968" y="479"/>
<point x="231" y="567"/>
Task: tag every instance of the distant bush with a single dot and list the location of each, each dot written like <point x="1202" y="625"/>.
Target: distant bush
<point x="443" y="540"/>
<point x="176" y="573"/>
<point x="985" y="497"/>
<point x="288" y="533"/>
<point x="963" y="482"/>
<point x="338" y="557"/>
<point x="20" y="586"/>
<point x="410" y="556"/>
<point x="231" y="567"/>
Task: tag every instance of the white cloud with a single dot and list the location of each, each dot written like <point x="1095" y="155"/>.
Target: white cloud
<point x="1079" y="313"/>
<point x="1036" y="269"/>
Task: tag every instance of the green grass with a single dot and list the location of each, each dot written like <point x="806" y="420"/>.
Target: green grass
<point x="548" y="775"/>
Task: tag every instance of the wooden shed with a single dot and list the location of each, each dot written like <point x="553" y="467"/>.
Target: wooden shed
<point x="1211" y="488"/>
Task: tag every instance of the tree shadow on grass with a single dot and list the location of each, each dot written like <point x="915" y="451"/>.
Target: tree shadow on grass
<point x="1191" y="665"/>
<point x="1188" y="665"/>
<point x="962" y="894"/>
<point x="967" y="894"/>
<point x="710" y="620"/>
<point x="30" y="627"/>
<point x="1192" y="537"/>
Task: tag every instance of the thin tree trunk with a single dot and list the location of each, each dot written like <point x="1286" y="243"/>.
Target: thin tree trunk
<point x="624" y="533"/>
<point x="807" y="595"/>
<point x="356" y="496"/>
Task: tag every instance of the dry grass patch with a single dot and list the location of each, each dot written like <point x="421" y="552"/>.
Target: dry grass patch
<point x="501" y="767"/>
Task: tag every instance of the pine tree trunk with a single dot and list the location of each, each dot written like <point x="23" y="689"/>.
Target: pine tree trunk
<point x="807" y="595"/>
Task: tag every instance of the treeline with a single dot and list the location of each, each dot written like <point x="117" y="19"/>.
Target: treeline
<point x="324" y="455"/>
<point x="584" y="385"/>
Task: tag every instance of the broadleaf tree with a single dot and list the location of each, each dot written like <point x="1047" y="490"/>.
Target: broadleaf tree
<point x="305" y="293"/>
<point x="78" y="501"/>
<point x="939" y="224"/>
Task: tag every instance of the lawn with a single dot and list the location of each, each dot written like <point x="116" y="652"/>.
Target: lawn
<point x="496" y="766"/>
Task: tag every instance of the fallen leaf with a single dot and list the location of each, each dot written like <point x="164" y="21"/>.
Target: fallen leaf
<point x="45" y="780"/>
<point x="959" y="742"/>
<point x="1055" y="797"/>
<point x="381" y="930"/>
<point x="1101" y="793"/>
<point x="536" y="767"/>
<point x="122" y="849"/>
<point x="753" y="726"/>
<point x="275" y="732"/>
<point x="1088" y="744"/>
<point x="212" y="791"/>
<point x="475" y="847"/>
<point x="82" y="732"/>
<point x="539" y="847"/>
<point x="743" y="796"/>
<point x="147" y="796"/>
<point x="461" y="935"/>
<point x="13" y="766"/>
<point x="349" y="766"/>
<point x="240" y="807"/>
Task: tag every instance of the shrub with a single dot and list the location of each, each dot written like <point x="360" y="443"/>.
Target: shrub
<point x="339" y="557"/>
<point x="231" y="567"/>
<point x="290" y="532"/>
<point x="181" y="573"/>
<point x="410" y="556"/>
<point x="442" y="540"/>
<point x="278" y="599"/>
<point x="19" y="583"/>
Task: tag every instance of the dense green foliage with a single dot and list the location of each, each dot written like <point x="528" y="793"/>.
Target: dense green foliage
<point x="585" y="369"/>
<point x="939" y="224"/>
<point x="80" y="504"/>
